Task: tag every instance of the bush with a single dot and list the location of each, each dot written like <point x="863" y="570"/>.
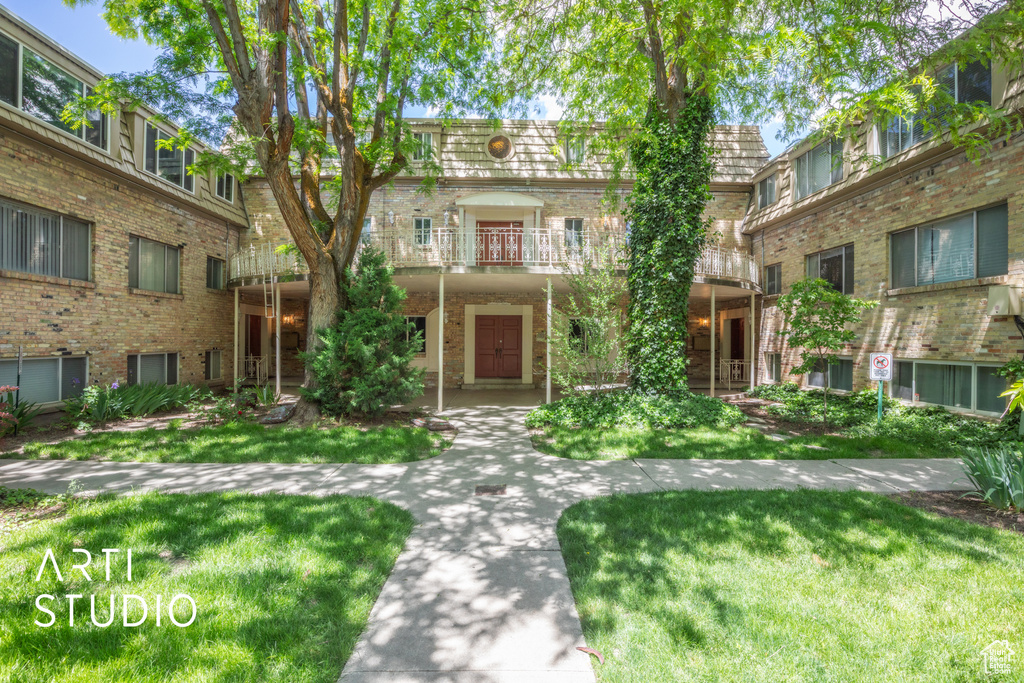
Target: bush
<point x="100" y="403"/>
<point x="365" y="363"/>
<point x="15" y="418"/>
<point x="998" y="474"/>
<point x="634" y="409"/>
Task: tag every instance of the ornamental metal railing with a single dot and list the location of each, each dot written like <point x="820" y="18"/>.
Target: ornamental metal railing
<point x="731" y="370"/>
<point x="487" y="246"/>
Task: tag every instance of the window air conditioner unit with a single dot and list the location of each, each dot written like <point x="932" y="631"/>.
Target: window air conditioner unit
<point x="1004" y="300"/>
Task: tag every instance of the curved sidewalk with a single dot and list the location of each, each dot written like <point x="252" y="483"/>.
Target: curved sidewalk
<point x="480" y="592"/>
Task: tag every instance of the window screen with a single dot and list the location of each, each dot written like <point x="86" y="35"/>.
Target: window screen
<point x="46" y="380"/>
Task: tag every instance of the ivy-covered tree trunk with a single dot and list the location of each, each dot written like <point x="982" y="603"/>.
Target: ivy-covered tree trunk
<point x="671" y="157"/>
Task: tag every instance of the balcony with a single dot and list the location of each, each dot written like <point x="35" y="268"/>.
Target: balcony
<point x="487" y="247"/>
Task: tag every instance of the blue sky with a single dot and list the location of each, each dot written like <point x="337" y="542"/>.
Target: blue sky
<point x="84" y="32"/>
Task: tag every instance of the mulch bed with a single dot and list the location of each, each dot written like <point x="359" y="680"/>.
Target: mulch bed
<point x="950" y="504"/>
<point x="756" y="407"/>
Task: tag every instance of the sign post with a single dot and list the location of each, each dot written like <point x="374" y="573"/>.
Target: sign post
<point x="880" y="369"/>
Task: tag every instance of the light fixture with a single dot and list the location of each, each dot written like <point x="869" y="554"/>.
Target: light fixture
<point x="391" y="217"/>
<point x="705" y="323"/>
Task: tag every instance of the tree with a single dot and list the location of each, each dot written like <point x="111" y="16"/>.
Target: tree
<point x="586" y="335"/>
<point x="817" y="319"/>
<point x="659" y="74"/>
<point x="364" y="363"/>
<point x="312" y="90"/>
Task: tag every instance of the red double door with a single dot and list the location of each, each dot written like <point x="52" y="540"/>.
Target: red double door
<point x="499" y="346"/>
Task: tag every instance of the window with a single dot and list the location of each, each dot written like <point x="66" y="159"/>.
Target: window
<point x="773" y="279"/>
<point x="834" y="266"/>
<point x="575" y="149"/>
<point x="579" y="335"/>
<point x="153" y="265"/>
<point x="214" y="273"/>
<point x="968" y="84"/>
<point x="153" y="368"/>
<point x="766" y="192"/>
<point x="226" y="187"/>
<point x="47" y="380"/>
<point x="574" y="232"/>
<point x="43" y="243"/>
<point x="364" y="236"/>
<point x="773" y="367"/>
<point x="424" y="146"/>
<point x="959" y="248"/>
<point x="213" y="371"/>
<point x="840" y="375"/>
<point x="169" y="164"/>
<point x="966" y="386"/>
<point x="421" y="230"/>
<point x="819" y="168"/>
<point x="417" y="325"/>
<point x="45" y="90"/>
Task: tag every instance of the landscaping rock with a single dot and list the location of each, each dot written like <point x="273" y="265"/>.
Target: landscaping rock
<point x="434" y="424"/>
<point x="278" y="415"/>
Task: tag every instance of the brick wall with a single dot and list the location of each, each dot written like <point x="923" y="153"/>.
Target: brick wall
<point x="102" y="318"/>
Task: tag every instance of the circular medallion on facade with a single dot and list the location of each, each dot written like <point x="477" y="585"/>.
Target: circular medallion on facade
<point x="499" y="147"/>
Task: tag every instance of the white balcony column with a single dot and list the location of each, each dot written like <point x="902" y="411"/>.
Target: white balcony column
<point x="277" y="339"/>
<point x="753" y="348"/>
<point x="234" y="363"/>
<point x="714" y="325"/>
<point x="440" y="343"/>
<point x="538" y="234"/>
<point x="547" y="349"/>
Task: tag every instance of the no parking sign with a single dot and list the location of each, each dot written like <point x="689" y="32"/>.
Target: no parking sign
<point x="880" y="367"/>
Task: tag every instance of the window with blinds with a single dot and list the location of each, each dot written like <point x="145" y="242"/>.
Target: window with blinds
<point x="153" y="265"/>
<point x="46" y="380"/>
<point x="43" y="243"/>
<point x="819" y="168"/>
<point x="963" y="247"/>
<point x="835" y="266"/>
<point x="964" y="386"/>
<point x="153" y="368"/>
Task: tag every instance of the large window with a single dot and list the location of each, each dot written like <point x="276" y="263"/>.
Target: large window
<point x="840" y="375"/>
<point x="834" y="266"/>
<point x="766" y="192"/>
<point x="421" y="229"/>
<point x="45" y="90"/>
<point x="967" y="84"/>
<point x="226" y="187"/>
<point x="819" y="168"/>
<point x="46" y="380"/>
<point x="960" y="248"/>
<point x="153" y="265"/>
<point x="153" y="368"/>
<point x="213" y="369"/>
<point x="574" y="232"/>
<point x="169" y="164"/>
<point x="424" y="146"/>
<point x="417" y="325"/>
<point x="43" y="243"/>
<point x="214" y="273"/>
<point x="965" y="386"/>
<point x="773" y="279"/>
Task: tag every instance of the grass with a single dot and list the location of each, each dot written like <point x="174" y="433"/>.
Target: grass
<point x="740" y="443"/>
<point x="789" y="586"/>
<point x="283" y="587"/>
<point x="246" y="442"/>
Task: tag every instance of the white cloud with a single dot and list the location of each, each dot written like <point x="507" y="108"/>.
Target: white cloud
<point x="547" y="107"/>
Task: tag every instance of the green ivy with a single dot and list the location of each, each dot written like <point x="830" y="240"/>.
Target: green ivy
<point x="668" y="230"/>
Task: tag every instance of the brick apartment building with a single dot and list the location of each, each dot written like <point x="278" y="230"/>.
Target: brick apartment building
<point x="116" y="264"/>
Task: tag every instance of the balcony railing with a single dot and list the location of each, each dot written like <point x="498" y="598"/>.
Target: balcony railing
<point x="487" y="247"/>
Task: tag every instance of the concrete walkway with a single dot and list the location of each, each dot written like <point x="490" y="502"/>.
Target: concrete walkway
<point x="481" y="592"/>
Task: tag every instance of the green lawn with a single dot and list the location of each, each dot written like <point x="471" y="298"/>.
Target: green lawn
<point x="789" y="586"/>
<point x="740" y="443"/>
<point x="246" y="442"/>
<point x="283" y="587"/>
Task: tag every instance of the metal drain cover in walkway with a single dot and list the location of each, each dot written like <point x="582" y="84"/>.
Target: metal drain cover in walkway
<point x="491" y="490"/>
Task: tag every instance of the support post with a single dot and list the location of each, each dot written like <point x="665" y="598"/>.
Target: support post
<point x="277" y="339"/>
<point x="234" y="364"/>
<point x="753" y="348"/>
<point x="879" y="401"/>
<point x="714" y="326"/>
<point x="440" y="343"/>
<point x="547" y="343"/>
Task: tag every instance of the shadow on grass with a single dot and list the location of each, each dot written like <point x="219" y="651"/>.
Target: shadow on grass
<point x="246" y="442"/>
<point x="773" y="570"/>
<point x="283" y="585"/>
<point x="728" y="444"/>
